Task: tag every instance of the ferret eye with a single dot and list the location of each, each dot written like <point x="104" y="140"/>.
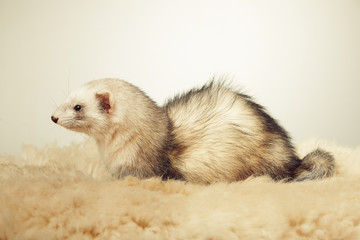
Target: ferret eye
<point x="77" y="108"/>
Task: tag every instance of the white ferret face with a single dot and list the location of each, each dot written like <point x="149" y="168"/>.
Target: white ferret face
<point x="85" y="111"/>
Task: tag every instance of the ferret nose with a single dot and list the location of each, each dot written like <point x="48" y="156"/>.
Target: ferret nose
<point x="54" y="119"/>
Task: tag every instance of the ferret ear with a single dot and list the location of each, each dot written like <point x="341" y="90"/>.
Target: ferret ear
<point x="106" y="101"/>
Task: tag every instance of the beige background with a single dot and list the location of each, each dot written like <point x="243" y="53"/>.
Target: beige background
<point x="300" y="59"/>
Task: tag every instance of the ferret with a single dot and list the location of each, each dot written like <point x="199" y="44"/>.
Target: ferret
<point x="206" y="135"/>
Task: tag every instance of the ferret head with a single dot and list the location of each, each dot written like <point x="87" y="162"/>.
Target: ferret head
<point x="108" y="104"/>
<point x="87" y="110"/>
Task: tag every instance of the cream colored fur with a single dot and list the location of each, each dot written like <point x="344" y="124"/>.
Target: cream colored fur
<point x="66" y="193"/>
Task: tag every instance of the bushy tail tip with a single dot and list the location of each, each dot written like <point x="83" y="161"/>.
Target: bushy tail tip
<point x="315" y="165"/>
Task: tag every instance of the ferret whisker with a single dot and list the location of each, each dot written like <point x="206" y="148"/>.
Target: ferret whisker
<point x="68" y="87"/>
<point x="54" y="102"/>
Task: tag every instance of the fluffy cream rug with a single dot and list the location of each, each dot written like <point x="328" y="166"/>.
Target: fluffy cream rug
<point x="65" y="193"/>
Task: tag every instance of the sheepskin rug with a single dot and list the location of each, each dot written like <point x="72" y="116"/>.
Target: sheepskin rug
<point x="66" y="193"/>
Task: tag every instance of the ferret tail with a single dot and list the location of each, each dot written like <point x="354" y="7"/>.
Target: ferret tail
<point x="315" y="165"/>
